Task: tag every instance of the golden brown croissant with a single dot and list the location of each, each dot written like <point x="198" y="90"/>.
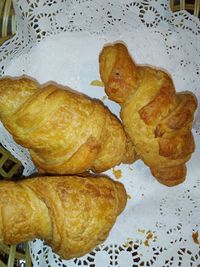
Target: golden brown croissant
<point x="157" y="119"/>
<point x="71" y="214"/>
<point x="66" y="132"/>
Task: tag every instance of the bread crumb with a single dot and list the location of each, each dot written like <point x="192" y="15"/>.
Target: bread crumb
<point x="128" y="244"/>
<point x="148" y="238"/>
<point x="128" y="196"/>
<point x="117" y="173"/>
<point x="104" y="98"/>
<point x="195" y="237"/>
<point x="141" y="231"/>
<point x="97" y="83"/>
<point x="148" y="235"/>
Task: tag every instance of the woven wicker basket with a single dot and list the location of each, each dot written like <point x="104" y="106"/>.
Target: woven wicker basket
<point x="193" y="6"/>
<point x="7" y="20"/>
<point x="19" y="255"/>
<point x="11" y="168"/>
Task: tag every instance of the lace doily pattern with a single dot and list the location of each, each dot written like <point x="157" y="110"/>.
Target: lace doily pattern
<point x="178" y="32"/>
<point x="131" y="253"/>
<point x="160" y="226"/>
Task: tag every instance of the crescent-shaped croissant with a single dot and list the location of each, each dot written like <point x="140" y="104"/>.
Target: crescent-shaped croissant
<point x="157" y="119"/>
<point x="71" y="214"/>
<point x="65" y="131"/>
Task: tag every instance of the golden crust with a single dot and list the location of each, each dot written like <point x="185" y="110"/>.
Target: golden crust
<point x="72" y="214"/>
<point x="66" y="132"/>
<point x="118" y="75"/>
<point x="157" y="119"/>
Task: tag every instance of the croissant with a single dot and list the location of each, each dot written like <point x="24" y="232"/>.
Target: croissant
<point x="65" y="131"/>
<point x="157" y="119"/>
<point x="71" y="214"/>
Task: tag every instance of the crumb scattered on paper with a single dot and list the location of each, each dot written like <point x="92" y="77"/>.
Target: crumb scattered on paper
<point x="195" y="236"/>
<point x="97" y="83"/>
<point x="104" y="98"/>
<point x="117" y="173"/>
<point x="128" y="196"/>
<point x="141" y="231"/>
<point x="149" y="237"/>
<point x="129" y="244"/>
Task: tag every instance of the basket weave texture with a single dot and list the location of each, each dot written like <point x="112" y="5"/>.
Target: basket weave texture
<point x="7" y="20"/>
<point x="12" y="256"/>
<point x="190" y="5"/>
<point x="10" y="167"/>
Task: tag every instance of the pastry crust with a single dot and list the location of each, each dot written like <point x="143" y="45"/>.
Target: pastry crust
<point x="65" y="131"/>
<point x="71" y="214"/>
<point x="157" y="119"/>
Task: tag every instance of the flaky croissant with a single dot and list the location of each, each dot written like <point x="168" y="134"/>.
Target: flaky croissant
<point x="71" y="214"/>
<point x="157" y="119"/>
<point x="66" y="132"/>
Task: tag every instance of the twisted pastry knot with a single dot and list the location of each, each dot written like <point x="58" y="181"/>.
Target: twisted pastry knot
<point x="65" y="131"/>
<point x="157" y="119"/>
<point x="71" y="214"/>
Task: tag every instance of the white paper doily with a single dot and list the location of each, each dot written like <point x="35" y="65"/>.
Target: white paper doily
<point x="60" y="40"/>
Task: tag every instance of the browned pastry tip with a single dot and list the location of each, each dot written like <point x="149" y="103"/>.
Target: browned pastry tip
<point x="118" y="72"/>
<point x="170" y="176"/>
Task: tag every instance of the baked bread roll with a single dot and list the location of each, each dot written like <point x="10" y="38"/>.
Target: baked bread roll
<point x="71" y="214"/>
<point x="65" y="131"/>
<point x="157" y="119"/>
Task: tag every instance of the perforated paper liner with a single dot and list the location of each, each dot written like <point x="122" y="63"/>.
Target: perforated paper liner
<point x="61" y="41"/>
